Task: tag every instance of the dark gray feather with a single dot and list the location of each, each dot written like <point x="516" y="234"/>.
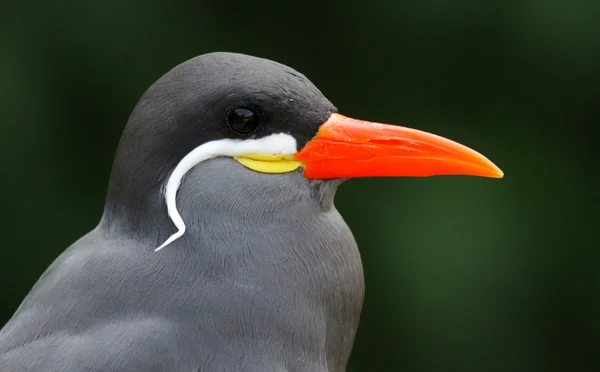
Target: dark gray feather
<point x="275" y="285"/>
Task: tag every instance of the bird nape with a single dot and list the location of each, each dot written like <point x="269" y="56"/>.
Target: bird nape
<point x="231" y="162"/>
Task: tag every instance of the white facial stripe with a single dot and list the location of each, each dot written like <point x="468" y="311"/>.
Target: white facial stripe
<point x="279" y="143"/>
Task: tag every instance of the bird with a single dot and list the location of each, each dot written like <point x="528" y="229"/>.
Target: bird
<point x="219" y="247"/>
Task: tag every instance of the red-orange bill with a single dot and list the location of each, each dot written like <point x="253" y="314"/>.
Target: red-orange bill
<point x="348" y="148"/>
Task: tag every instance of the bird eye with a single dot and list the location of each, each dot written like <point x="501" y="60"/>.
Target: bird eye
<point x="242" y="120"/>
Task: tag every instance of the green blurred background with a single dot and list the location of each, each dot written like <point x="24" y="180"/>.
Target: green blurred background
<point x="462" y="273"/>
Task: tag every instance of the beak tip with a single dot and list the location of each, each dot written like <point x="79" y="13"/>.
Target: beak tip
<point x="495" y="172"/>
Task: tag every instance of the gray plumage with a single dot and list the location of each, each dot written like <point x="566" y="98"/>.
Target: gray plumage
<point x="266" y="278"/>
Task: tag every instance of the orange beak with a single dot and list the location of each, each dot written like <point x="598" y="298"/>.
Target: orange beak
<point x="348" y="148"/>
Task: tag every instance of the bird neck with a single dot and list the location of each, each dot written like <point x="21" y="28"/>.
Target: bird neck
<point x="216" y="190"/>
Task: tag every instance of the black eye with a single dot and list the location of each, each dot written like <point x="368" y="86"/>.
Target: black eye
<point x="242" y="120"/>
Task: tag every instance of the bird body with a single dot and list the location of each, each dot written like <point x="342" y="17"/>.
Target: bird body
<point x="263" y="301"/>
<point x="260" y="272"/>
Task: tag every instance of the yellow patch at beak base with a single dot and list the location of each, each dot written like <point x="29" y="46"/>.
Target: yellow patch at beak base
<point x="266" y="163"/>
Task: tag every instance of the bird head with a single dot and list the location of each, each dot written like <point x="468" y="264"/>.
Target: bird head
<point x="271" y="119"/>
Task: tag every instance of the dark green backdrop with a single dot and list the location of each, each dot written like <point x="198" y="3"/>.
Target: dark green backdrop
<point x="463" y="274"/>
